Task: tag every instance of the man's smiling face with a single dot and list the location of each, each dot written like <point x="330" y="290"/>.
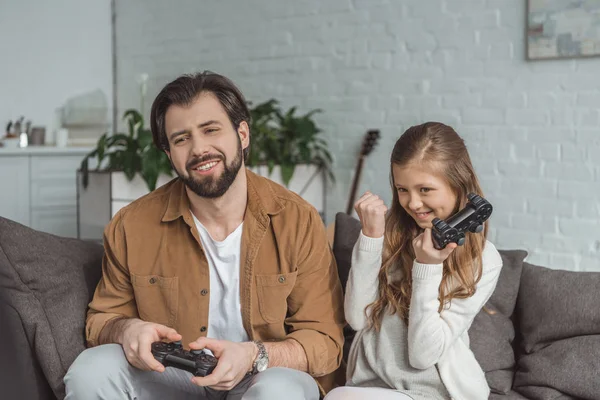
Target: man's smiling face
<point x="202" y="140"/>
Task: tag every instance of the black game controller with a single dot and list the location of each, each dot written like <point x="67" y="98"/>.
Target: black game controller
<point x="470" y="218"/>
<point x="173" y="355"/>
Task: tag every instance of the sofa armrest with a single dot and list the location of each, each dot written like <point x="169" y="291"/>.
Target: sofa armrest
<point x="21" y="376"/>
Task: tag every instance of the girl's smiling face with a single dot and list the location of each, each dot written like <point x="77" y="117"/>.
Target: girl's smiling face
<point x="423" y="194"/>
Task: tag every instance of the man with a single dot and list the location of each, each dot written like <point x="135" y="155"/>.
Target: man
<point x="219" y="258"/>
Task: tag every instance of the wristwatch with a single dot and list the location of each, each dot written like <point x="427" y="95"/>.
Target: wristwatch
<point x="262" y="359"/>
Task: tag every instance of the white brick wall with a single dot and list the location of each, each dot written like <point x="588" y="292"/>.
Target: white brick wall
<point x="532" y="128"/>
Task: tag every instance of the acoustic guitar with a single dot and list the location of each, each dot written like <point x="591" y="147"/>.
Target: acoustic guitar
<point x="369" y="141"/>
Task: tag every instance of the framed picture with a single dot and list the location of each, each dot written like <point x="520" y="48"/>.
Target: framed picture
<point x="563" y="29"/>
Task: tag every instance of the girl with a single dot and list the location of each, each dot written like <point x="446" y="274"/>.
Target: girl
<point x="411" y="304"/>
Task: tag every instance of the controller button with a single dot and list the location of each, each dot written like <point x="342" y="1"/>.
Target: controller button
<point x="203" y="329"/>
<point x="204" y="292"/>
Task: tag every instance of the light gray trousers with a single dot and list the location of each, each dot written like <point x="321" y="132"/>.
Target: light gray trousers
<point x="103" y="372"/>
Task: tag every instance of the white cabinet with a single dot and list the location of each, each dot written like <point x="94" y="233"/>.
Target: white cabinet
<point x="105" y="194"/>
<point x="39" y="187"/>
<point x="60" y="221"/>
<point x="14" y="188"/>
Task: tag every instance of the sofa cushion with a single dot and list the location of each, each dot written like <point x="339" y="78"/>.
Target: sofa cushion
<point x="347" y="230"/>
<point x="21" y="376"/>
<point x="559" y="318"/>
<point x="492" y="332"/>
<point x="48" y="281"/>
<point x="511" y="395"/>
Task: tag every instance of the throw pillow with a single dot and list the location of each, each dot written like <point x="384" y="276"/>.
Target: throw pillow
<point x="491" y="335"/>
<point x="559" y="320"/>
<point x="49" y="281"/>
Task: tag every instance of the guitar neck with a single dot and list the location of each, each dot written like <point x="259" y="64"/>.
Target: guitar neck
<point x="354" y="187"/>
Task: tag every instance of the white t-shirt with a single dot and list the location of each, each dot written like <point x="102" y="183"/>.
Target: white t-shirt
<point x="224" y="313"/>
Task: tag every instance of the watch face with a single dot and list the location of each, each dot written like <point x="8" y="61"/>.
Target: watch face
<point x="261" y="364"/>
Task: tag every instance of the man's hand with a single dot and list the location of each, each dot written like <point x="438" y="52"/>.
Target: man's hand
<point x="235" y="361"/>
<point x="137" y="338"/>
<point x="426" y="253"/>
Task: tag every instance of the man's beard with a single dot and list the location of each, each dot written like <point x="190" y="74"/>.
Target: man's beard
<point x="208" y="186"/>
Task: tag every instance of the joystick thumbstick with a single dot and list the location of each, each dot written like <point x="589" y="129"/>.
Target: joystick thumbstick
<point x="197" y="352"/>
<point x="475" y="227"/>
<point x="460" y="241"/>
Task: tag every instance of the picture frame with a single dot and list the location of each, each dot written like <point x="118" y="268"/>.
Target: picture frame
<point x="559" y="29"/>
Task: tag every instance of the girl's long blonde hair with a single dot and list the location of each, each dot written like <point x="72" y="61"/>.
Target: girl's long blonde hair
<point x="438" y="147"/>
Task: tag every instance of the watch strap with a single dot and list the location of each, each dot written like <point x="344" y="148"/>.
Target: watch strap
<point x="261" y="355"/>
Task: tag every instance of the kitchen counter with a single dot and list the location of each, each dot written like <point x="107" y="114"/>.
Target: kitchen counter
<point x="42" y="150"/>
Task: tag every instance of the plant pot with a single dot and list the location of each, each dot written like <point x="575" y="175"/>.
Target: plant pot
<point x="308" y="181"/>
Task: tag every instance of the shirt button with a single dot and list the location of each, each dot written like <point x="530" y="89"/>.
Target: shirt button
<point x="281" y="279"/>
<point x="203" y="329"/>
<point x="204" y="292"/>
<point x="152" y="281"/>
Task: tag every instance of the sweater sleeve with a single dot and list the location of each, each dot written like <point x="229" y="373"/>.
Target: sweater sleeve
<point x="362" y="285"/>
<point x="432" y="333"/>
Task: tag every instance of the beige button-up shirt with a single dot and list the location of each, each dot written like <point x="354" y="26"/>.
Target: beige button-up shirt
<point x="155" y="269"/>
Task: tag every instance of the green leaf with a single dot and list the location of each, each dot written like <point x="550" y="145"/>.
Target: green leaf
<point x="270" y="166"/>
<point x="135" y="121"/>
<point x="118" y="139"/>
<point x="144" y="138"/>
<point x="101" y="148"/>
<point x="130" y="164"/>
<point x="85" y="169"/>
<point x="151" y="167"/>
<point x="287" y="171"/>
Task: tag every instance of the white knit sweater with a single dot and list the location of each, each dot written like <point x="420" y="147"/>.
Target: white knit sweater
<point x="435" y="339"/>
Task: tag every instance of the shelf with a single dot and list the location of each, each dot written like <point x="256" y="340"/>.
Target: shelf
<point x="42" y="150"/>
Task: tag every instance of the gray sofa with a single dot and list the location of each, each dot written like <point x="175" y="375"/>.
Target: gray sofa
<point x="540" y="341"/>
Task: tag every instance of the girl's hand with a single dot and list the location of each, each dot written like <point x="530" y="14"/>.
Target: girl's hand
<point x="426" y="253"/>
<point x="371" y="212"/>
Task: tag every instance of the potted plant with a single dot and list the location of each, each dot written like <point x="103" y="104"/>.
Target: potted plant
<point x="127" y="166"/>
<point x="286" y="140"/>
<point x="288" y="148"/>
<point x="132" y="153"/>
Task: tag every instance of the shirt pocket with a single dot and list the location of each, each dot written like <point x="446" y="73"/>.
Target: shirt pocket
<point x="272" y="292"/>
<point x="156" y="298"/>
